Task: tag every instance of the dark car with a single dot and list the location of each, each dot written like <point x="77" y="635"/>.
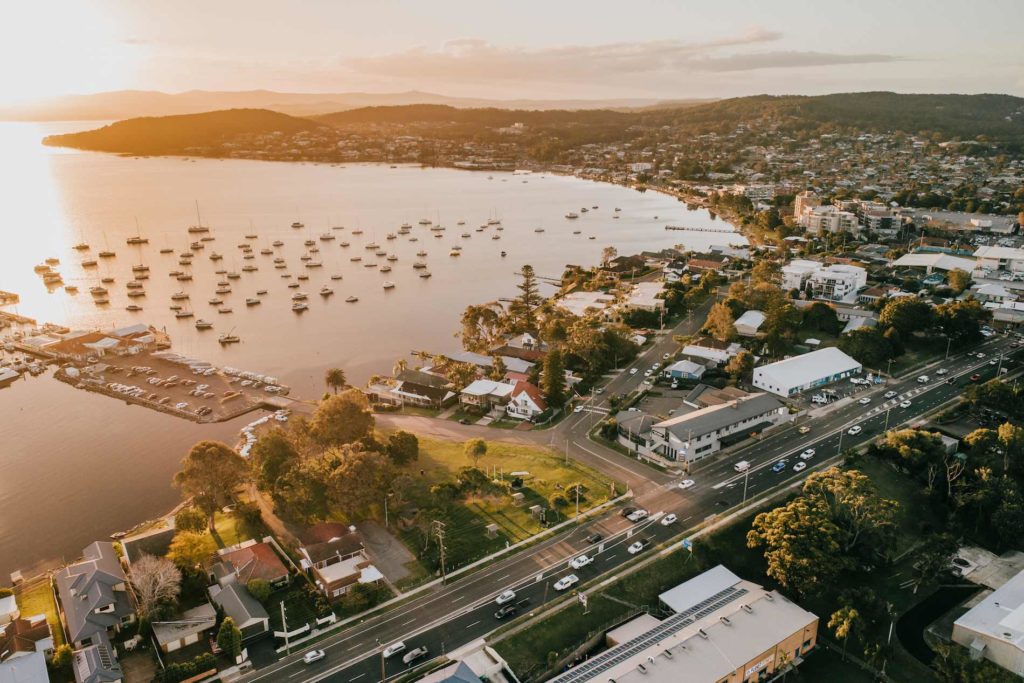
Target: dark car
<point x="593" y="538"/>
<point x="464" y="421"/>
<point x="626" y="512"/>
<point x="975" y="377"/>
<point x="506" y="611"/>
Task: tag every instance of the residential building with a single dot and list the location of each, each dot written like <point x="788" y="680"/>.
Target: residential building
<point x="9" y="609"/>
<point x="486" y="394"/>
<point x="722" y="629"/>
<point x="486" y="363"/>
<point x="188" y="628"/>
<point x="837" y="282"/>
<point x="695" y="435"/>
<point x="238" y="603"/>
<point x="94" y="596"/>
<point x="796" y="272"/>
<point x="28" y="669"/>
<point x="1000" y="258"/>
<point x="800" y="373"/>
<point x="804" y="201"/>
<point x="247" y="561"/>
<point x="645" y="297"/>
<point x="994" y="628"/>
<point x="685" y="369"/>
<point x="992" y="293"/>
<point x="525" y="402"/>
<point x="335" y="558"/>
<point x="581" y="304"/>
<point x="418" y="388"/>
<point x="710" y="349"/>
<point x="748" y="324"/>
<point x="23" y="636"/>
<point x="761" y="192"/>
<point x="829" y="219"/>
<point x="699" y="263"/>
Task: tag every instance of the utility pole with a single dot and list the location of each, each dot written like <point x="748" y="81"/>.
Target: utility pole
<point x="567" y="452"/>
<point x="839" y="449"/>
<point x="746" y="476"/>
<point x="383" y="674"/>
<point x="438" y="529"/>
<point x="577" y="502"/>
<point x="949" y="342"/>
<point x="284" y="627"/>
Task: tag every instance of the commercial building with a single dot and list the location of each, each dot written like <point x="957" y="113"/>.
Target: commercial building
<point x="934" y="261"/>
<point x="800" y="373"/>
<point x="1000" y="258"/>
<point x="722" y="630"/>
<point x="994" y="628"/>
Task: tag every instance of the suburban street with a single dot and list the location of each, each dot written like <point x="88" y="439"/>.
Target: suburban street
<point x="450" y="616"/>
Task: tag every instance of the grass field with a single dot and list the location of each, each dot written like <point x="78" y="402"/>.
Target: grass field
<point x="37" y="598"/>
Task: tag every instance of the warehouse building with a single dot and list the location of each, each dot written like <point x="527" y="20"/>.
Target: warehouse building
<point x="994" y="628"/>
<point x="723" y="629"/>
<point x="800" y="373"/>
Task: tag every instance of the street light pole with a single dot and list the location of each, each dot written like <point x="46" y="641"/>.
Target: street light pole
<point x="383" y="675"/>
<point x="949" y="342"/>
<point x="746" y="476"/>
<point x="886" y="420"/>
<point x="840" y="448"/>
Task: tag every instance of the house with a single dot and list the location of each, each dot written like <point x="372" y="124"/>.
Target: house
<point x="28" y="669"/>
<point x="94" y="596"/>
<point x="186" y="629"/>
<point x="704" y="395"/>
<point x="8" y="609"/>
<point x="685" y="369"/>
<point x="419" y="388"/>
<point x="486" y="394"/>
<point x="674" y="271"/>
<point x="97" y="664"/>
<point x="486" y="363"/>
<point x="700" y="263"/>
<point x="986" y="293"/>
<point x="248" y="561"/>
<point x="525" y="402"/>
<point x="796" y="272"/>
<point x="237" y="602"/>
<point x="23" y="636"/>
<point x="645" y="296"/>
<point x="633" y="430"/>
<point x="748" y="324"/>
<point x="336" y="559"/>
<point x="710" y="349"/>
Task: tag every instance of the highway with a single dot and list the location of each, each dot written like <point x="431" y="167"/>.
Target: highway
<point x="463" y="611"/>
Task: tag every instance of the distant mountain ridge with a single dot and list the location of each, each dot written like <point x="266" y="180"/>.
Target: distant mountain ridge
<point x="127" y="104"/>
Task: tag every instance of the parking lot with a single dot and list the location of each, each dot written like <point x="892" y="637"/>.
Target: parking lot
<point x="182" y="386"/>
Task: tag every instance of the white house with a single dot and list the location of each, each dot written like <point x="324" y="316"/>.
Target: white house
<point x="796" y="272"/>
<point x="711" y="349"/>
<point x="838" y="282"/>
<point x="748" y="324"/>
<point x="526" y="402"/>
<point x="799" y="373"/>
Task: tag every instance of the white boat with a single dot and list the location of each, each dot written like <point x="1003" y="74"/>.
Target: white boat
<point x="352" y="299"/>
<point x="314" y="264"/>
<point x="252" y="302"/>
<point x="214" y="256"/>
<point x="133" y="308"/>
<point x="336" y="276"/>
<point x="392" y="257"/>
<point x="249" y="268"/>
<point x="326" y="291"/>
<point x="267" y="251"/>
<point x="391" y="236"/>
<point x="260" y="292"/>
<point x="278" y="243"/>
<point x="299" y="296"/>
<point x="344" y="244"/>
<point x="183" y="314"/>
<point x="326" y="237"/>
<point x="179" y="296"/>
<point x="216" y="301"/>
<point x="89" y="263"/>
<point x="81" y="246"/>
<point x="385" y="269"/>
<point x="232" y="275"/>
<point x="299" y="306"/>
<point x="228" y="339"/>
<point x="223" y="290"/>
<point x="425" y="274"/>
<point x="203" y="324"/>
<point x="419" y="265"/>
<point x="571" y="215"/>
<point x="297" y="225"/>
<point x="388" y="284"/>
<point x="466" y="235"/>
<point x="224" y="309"/>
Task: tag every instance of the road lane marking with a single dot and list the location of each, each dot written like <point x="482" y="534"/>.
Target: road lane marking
<point x="354" y="647"/>
<point x="406" y="623"/>
<point x="354" y="678"/>
<point x="456" y="599"/>
<point x="475" y="623"/>
<point x="502" y="578"/>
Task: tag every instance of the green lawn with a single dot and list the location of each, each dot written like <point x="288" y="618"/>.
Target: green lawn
<point x="231" y="530"/>
<point x="37" y="598"/>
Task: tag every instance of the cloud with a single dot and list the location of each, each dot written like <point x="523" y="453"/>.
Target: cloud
<point x="473" y="60"/>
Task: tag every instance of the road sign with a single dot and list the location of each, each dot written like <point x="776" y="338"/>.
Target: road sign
<point x="688" y="544"/>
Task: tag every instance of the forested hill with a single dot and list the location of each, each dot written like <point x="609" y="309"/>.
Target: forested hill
<point x="439" y="113"/>
<point x="176" y="134"/>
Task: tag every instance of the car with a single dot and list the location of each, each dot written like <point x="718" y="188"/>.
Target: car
<point x="960" y="567"/>
<point x="941" y="371"/>
<point x="686" y="483"/>
<point x="506" y="596"/>
<point x="638" y="546"/>
<point x="637" y="515"/>
<point x="578" y="409"/>
<point x="600" y="390"/>
<point x="800" y="467"/>
<point x="779" y="466"/>
<point x="627" y="511"/>
<point x="647" y="373"/>
<point x="854" y="430"/>
<point x="413" y="655"/>
<point x="505" y="611"/>
<point x="864" y="401"/>
<point x="656" y="367"/>
<point x="581" y="561"/>
<point x="975" y="377"/>
<point x="670" y="518"/>
<point x="741" y="466"/>
<point x="632" y="371"/>
<point x="803" y="430"/>
<point x="464" y="421"/>
<point x="566" y="582"/>
<point x="593" y="538"/>
<point x="992" y="362"/>
<point x="905" y="404"/>
<point x="666" y="356"/>
<point x="393" y="649"/>
<point x="807" y="454"/>
<point x="313" y="656"/>
<point x="923" y="379"/>
<point x="979" y="354"/>
<point x="890" y="394"/>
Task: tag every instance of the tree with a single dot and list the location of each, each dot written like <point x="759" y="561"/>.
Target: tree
<point x="822" y="317"/>
<point x="868" y="345"/>
<point x="843" y="622"/>
<point x="553" y="380"/>
<point x="523" y="306"/>
<point x="210" y="474"/>
<point x="271" y="457"/>
<point x="720" y="323"/>
<point x="474" y="449"/>
<point x="400" y="366"/>
<point x="301" y="494"/>
<point x="853" y="504"/>
<point x="908" y="315"/>
<point x="1011" y="438"/>
<point x="765" y="271"/>
<point x="498" y="369"/>
<point x="959" y="280"/>
<point x="741" y="366"/>
<point x="335" y="378"/>
<point x="342" y="419"/>
<point x="482" y="326"/>
<point x="932" y="559"/>
<point x="954" y="665"/>
<point x="961" y="321"/>
<point x="229" y="638"/>
<point x="190" y="518"/>
<point x="608" y="255"/>
<point x="260" y="589"/>
<point x="190" y="549"/>
<point x="360" y="478"/>
<point x="62" y="656"/>
<point x="403" y="447"/>
<point x="157" y="582"/>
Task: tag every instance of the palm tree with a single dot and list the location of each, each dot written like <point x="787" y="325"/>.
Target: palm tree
<point x="400" y="366"/>
<point x="843" y="622"/>
<point x="335" y="378"/>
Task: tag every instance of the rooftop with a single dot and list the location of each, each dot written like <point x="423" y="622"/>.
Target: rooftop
<point x="693" y="425"/>
<point x="810" y="367"/>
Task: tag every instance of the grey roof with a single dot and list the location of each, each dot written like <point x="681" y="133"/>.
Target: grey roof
<point x="89" y="585"/>
<point x="634" y="421"/>
<point x="713" y="418"/>
<point x="462" y="674"/>
<point x="238" y="603"/>
<point x="511" y="364"/>
<point x="195" y="620"/>
<point x="97" y="664"/>
<point x="27" y="668"/>
<point x="426" y="379"/>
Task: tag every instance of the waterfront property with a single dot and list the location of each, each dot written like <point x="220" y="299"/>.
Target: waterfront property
<point x="94" y="596"/>
<point x="721" y="628"/>
<point x="526" y="402"/>
<point x="190" y="627"/>
<point x="247" y="561"/>
<point x="335" y="558"/>
<point x="815" y="369"/>
<point x="415" y="387"/>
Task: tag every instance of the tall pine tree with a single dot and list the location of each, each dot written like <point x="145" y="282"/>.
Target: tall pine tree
<point x="554" y="379"/>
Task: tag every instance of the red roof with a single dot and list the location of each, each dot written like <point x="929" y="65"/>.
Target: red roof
<point x="531" y="391"/>
<point x="258" y="561"/>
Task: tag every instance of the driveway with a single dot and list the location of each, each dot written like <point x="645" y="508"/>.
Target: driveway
<point x="386" y="552"/>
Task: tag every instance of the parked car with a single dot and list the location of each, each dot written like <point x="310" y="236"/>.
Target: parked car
<point x="506" y="596"/>
<point x="637" y="515"/>
<point x="394" y="649"/>
<point x="413" y="655"/>
<point x="566" y="582"/>
<point x="593" y="538"/>
<point x="313" y="656"/>
<point x="627" y="511"/>
<point x="632" y="371"/>
<point x="581" y="561"/>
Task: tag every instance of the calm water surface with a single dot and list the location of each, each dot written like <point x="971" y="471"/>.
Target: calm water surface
<point x="75" y="467"/>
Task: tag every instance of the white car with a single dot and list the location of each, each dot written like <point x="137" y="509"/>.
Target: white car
<point x="979" y="354"/>
<point x="655" y="367"/>
<point x="394" y="649"/>
<point x="578" y="409"/>
<point x="686" y="483"/>
<point x="670" y="518"/>
<point x="638" y="546"/>
<point x="890" y="394"/>
<point x="741" y="466"/>
<point x="647" y="373"/>
<point x="864" y="401"/>
<point x="507" y="596"/>
<point x="666" y="356"/>
<point x="941" y="371"/>
<point x="854" y="430"/>
<point x="800" y="467"/>
<point x="632" y="371"/>
<point x="905" y="404"/>
<point x="580" y="562"/>
<point x="566" y="582"/>
<point x="313" y="656"/>
<point x="637" y="515"/>
<point x="808" y="454"/>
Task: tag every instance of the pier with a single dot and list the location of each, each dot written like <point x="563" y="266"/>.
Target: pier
<point x="699" y="229"/>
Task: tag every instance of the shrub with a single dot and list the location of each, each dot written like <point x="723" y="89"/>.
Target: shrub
<point x="260" y="590"/>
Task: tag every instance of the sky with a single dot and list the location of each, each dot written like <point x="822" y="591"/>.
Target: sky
<point x="598" y="49"/>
